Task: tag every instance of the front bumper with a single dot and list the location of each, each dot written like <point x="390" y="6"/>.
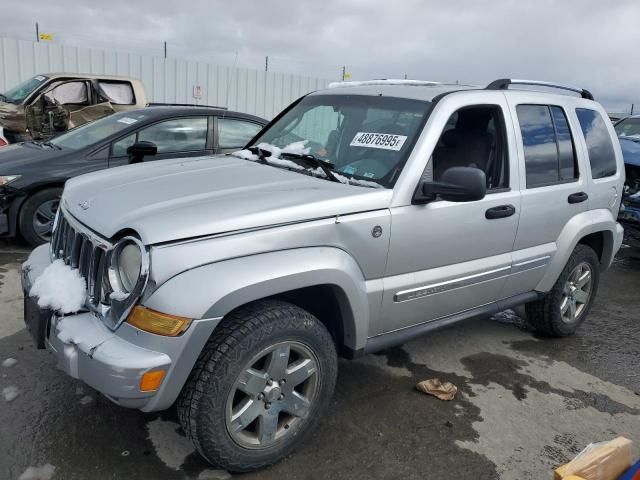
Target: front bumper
<point x="113" y="361"/>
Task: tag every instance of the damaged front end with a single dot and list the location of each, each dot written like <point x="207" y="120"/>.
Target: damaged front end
<point x="629" y="215"/>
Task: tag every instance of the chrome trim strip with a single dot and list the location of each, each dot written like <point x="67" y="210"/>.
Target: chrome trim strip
<point x="530" y="264"/>
<point x="424" y="291"/>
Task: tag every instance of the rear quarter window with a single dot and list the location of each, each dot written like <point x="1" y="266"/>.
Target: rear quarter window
<point x="602" y="156"/>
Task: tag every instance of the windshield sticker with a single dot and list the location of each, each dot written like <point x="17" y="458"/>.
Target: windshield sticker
<point x="40" y="78"/>
<point x="368" y="175"/>
<point x="385" y="141"/>
<point x="349" y="170"/>
<point x="127" y="120"/>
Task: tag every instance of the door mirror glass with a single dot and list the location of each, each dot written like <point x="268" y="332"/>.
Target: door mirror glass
<point x="456" y="184"/>
<point x="141" y="149"/>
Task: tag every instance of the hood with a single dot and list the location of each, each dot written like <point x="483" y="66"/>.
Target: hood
<point x="12" y="117"/>
<point x="23" y="158"/>
<point x="630" y="151"/>
<point x="184" y="198"/>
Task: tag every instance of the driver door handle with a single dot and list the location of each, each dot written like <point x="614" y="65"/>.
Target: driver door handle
<point x="502" y="211"/>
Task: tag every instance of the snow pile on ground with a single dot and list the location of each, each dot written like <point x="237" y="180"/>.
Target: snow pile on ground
<point x="297" y="148"/>
<point x="10" y="393"/>
<point x="60" y="288"/>
<point x="44" y="472"/>
<point x="9" y="362"/>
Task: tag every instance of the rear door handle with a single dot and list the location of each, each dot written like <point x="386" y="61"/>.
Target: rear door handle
<point x="502" y="211"/>
<point x="577" y="197"/>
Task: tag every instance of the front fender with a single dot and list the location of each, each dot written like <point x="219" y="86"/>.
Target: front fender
<point x="216" y="289"/>
<point x="577" y="228"/>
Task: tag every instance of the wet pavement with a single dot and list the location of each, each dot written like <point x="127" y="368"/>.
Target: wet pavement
<point x="525" y="404"/>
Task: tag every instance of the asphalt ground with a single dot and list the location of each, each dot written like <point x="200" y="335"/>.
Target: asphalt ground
<point x="525" y="404"/>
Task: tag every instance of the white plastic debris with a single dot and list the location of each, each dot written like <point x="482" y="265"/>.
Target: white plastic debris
<point x="60" y="288"/>
<point x="10" y="393"/>
<point x="44" y="472"/>
<point x="9" y="362"/>
<point x="86" y="399"/>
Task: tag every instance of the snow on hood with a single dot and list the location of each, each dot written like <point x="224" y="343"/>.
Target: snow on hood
<point x="170" y="200"/>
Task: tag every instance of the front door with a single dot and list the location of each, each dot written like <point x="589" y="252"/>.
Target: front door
<point x="175" y="138"/>
<point x="447" y="257"/>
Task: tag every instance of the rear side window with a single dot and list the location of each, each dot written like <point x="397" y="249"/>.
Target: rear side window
<point x="602" y="157"/>
<point x="549" y="153"/>
<point x="236" y="133"/>
<point x="118" y="93"/>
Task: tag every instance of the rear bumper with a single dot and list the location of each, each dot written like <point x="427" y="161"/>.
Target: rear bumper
<point x="113" y="361"/>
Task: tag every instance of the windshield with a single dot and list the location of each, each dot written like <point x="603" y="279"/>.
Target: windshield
<point x="629" y="127"/>
<point x="90" y="133"/>
<point x="362" y="137"/>
<point x="18" y="93"/>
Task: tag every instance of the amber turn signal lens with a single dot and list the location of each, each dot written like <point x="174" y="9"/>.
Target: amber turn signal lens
<point x="150" y="381"/>
<point x="157" y="322"/>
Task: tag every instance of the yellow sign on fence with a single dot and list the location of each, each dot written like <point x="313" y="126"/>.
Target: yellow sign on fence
<point x="47" y="37"/>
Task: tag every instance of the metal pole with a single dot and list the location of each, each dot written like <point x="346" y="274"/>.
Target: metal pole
<point x="344" y="72"/>
<point x="37" y="32"/>
<point x="266" y="63"/>
<point x="405" y="76"/>
<point x="632" y="109"/>
<point x="165" y="50"/>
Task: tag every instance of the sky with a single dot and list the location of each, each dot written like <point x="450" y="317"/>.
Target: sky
<point x="592" y="44"/>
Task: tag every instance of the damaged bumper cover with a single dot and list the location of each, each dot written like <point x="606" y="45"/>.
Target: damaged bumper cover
<point x="113" y="361"/>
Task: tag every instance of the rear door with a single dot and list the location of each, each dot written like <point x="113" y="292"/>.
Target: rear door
<point x="554" y="184"/>
<point x="174" y="137"/>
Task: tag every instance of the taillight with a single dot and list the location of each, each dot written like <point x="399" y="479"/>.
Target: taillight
<point x="3" y="142"/>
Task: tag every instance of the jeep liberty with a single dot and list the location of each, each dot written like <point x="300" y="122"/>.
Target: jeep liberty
<point x="362" y="216"/>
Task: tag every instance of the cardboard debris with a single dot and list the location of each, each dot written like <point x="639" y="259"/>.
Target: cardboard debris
<point x="599" y="461"/>
<point x="433" y="386"/>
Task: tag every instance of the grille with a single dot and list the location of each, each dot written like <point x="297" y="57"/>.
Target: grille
<point x="84" y="252"/>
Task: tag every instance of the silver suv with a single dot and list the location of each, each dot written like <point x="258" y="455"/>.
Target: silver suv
<point x="363" y="216"/>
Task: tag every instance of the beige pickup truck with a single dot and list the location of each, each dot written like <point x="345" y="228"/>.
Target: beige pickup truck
<point x="48" y="104"/>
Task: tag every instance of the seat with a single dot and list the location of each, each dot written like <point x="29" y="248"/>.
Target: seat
<point x="462" y="148"/>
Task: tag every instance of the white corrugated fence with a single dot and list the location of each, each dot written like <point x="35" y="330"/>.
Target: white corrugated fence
<point x="170" y="80"/>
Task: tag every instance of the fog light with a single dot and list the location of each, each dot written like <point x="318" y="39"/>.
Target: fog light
<point x="157" y="322"/>
<point x="150" y="381"/>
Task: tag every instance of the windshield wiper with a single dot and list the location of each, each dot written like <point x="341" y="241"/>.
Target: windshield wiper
<point x="261" y="153"/>
<point x="311" y="161"/>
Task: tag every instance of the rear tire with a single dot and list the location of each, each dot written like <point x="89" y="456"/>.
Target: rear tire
<point x="563" y="309"/>
<point x="37" y="214"/>
<point x="263" y="362"/>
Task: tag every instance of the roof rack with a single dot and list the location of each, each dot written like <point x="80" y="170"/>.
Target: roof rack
<point x="184" y="105"/>
<point x="382" y="81"/>
<point x="503" y="84"/>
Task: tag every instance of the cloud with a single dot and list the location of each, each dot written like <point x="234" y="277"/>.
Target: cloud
<point x="589" y="43"/>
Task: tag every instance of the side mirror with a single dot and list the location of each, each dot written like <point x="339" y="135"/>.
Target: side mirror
<point x="457" y="184"/>
<point x="141" y="149"/>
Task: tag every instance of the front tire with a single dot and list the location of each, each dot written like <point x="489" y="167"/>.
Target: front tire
<point x="260" y="386"/>
<point x="37" y="215"/>
<point x="562" y="310"/>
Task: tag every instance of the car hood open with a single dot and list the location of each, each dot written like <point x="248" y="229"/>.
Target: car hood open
<point x="171" y="200"/>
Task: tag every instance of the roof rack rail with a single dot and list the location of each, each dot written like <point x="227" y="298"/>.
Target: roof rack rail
<point x="184" y="105"/>
<point x="503" y="84"/>
<point x="381" y="81"/>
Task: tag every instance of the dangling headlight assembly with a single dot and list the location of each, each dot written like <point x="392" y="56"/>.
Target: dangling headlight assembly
<point x="128" y="268"/>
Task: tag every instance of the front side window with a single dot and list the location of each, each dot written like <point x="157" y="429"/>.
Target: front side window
<point x="362" y="137"/>
<point x="177" y="135"/>
<point x="98" y="130"/>
<point x="474" y="137"/>
<point x="602" y="157"/>
<point x="234" y="133"/>
<point x="71" y="93"/>
<point x="548" y="146"/>
<point x="21" y="91"/>
<point x="119" y="148"/>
